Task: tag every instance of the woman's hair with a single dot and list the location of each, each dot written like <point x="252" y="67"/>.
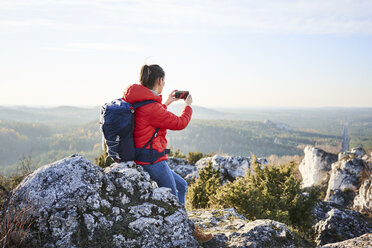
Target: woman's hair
<point x="149" y="74"/>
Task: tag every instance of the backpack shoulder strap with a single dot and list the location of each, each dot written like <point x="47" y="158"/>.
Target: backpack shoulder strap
<point x="140" y="104"/>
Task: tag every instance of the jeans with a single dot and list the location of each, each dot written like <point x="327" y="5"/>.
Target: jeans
<point x="165" y="177"/>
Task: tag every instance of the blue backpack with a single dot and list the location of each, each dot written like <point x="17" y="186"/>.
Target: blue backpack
<point x="117" y="125"/>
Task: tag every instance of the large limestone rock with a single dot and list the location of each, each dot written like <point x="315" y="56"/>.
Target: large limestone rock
<point x="362" y="241"/>
<point x="335" y="223"/>
<point x="344" y="180"/>
<point x="363" y="200"/>
<point x="316" y="166"/>
<point x="230" y="229"/>
<point x="76" y="204"/>
<point x="231" y="167"/>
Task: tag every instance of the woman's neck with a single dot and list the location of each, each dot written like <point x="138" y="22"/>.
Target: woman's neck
<point x="156" y="89"/>
<point x="156" y="93"/>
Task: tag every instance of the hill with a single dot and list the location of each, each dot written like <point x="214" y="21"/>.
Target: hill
<point x="49" y="134"/>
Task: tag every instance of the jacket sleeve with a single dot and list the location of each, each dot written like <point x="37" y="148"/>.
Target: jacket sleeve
<point x="162" y="118"/>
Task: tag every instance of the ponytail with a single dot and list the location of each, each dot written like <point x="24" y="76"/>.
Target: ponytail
<point x="149" y="74"/>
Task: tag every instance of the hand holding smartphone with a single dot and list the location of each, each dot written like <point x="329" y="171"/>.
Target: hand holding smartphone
<point x="181" y="94"/>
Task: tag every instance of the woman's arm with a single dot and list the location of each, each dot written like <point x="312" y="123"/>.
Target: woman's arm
<point x="162" y="118"/>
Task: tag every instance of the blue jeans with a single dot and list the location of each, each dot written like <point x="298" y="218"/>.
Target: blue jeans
<point x="165" y="177"/>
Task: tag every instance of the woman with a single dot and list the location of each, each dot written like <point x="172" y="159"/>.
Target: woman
<point x="155" y="117"/>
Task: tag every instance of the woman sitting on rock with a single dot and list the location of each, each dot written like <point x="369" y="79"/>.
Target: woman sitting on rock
<point x="152" y="118"/>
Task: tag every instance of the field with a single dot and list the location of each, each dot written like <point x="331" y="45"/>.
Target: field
<point x="49" y="134"/>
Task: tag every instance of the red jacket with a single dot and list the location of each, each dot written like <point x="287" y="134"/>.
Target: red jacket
<point x="151" y="116"/>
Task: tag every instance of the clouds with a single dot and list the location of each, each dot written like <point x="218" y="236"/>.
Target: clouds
<point x="172" y="16"/>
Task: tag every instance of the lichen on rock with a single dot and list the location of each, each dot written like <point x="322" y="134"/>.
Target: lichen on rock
<point x="77" y="204"/>
<point x="334" y="223"/>
<point x="344" y="181"/>
<point x="231" y="229"/>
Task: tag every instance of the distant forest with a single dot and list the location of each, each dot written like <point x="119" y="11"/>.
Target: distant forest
<point x="51" y="134"/>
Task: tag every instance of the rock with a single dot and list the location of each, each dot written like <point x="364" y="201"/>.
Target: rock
<point x="230" y="229"/>
<point x="344" y="180"/>
<point x="358" y="151"/>
<point x="231" y="166"/>
<point x="363" y="200"/>
<point x="362" y="241"/>
<point x="316" y="166"/>
<point x="354" y="152"/>
<point x="76" y="204"/>
<point x="333" y="223"/>
<point x="182" y="167"/>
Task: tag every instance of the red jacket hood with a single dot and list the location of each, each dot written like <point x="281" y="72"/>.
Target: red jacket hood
<point x="137" y="93"/>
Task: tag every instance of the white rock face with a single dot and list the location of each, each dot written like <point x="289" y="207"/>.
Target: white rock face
<point x="76" y="204"/>
<point x="363" y="200"/>
<point x="344" y="180"/>
<point x="231" y="167"/>
<point x="316" y="166"/>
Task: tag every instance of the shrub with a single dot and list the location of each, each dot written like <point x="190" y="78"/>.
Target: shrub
<point x="14" y="225"/>
<point x="104" y="160"/>
<point x="269" y="192"/>
<point x="15" y="222"/>
<point x="200" y="193"/>
<point x="177" y="153"/>
<point x="194" y="157"/>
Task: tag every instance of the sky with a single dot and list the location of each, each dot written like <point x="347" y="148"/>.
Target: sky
<point x="227" y="53"/>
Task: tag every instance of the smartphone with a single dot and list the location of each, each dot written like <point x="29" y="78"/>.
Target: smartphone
<point x="181" y="94"/>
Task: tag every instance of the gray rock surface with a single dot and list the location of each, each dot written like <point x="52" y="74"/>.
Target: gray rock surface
<point x="316" y="166"/>
<point x="363" y="200"/>
<point x="344" y="181"/>
<point x="362" y="241"/>
<point x="335" y="223"/>
<point x="230" y="229"/>
<point x="76" y="204"/>
<point x="182" y="167"/>
<point x="231" y="166"/>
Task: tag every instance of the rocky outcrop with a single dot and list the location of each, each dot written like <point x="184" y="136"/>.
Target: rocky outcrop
<point x="341" y="176"/>
<point x="316" y="166"/>
<point x="344" y="181"/>
<point x="182" y="167"/>
<point x="76" y="204"/>
<point x="230" y="229"/>
<point x="363" y="200"/>
<point x="362" y="241"/>
<point x="334" y="223"/>
<point x="231" y="167"/>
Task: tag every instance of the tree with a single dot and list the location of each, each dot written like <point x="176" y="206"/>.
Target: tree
<point x="199" y="193"/>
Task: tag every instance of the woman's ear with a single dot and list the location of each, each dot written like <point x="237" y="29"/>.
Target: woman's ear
<point x="157" y="82"/>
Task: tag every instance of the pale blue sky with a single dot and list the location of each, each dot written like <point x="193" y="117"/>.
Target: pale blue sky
<point x="226" y="53"/>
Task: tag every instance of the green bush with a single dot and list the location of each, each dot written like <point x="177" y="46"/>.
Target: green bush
<point x="269" y="192"/>
<point x="266" y="192"/>
<point x="199" y="194"/>
<point x="193" y="157"/>
<point x="177" y="153"/>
